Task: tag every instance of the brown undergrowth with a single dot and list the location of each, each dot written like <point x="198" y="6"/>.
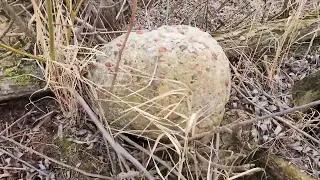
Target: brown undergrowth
<point x="69" y="145"/>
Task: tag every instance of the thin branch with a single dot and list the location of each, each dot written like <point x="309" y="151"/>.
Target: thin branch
<point x="109" y="138"/>
<point x="4" y="32"/>
<point x="53" y="160"/>
<point x="22" y="53"/>
<point x="249" y="172"/>
<point x="132" y="22"/>
<point x="150" y="154"/>
<point x="17" y="19"/>
<point x="216" y="157"/>
<point x="18" y="120"/>
<point x="275" y="115"/>
<point x="230" y="127"/>
<point x="223" y="167"/>
<point x="91" y="28"/>
<point x="22" y="161"/>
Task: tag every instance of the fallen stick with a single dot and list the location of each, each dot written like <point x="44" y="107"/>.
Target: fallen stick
<point x="230" y="127"/>
<point x="109" y="138"/>
<point x="53" y="160"/>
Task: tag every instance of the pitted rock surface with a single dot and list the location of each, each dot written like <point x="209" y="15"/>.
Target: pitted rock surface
<point x="165" y="76"/>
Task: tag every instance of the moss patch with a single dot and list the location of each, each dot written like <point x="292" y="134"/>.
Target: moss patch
<point x="65" y="147"/>
<point x="18" y="76"/>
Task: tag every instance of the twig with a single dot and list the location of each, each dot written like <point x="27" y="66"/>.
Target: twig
<point x="25" y="9"/>
<point x="229" y="128"/>
<point x="109" y="138"/>
<point x="14" y="34"/>
<point x="4" y="32"/>
<point x="216" y="158"/>
<point x="112" y="163"/>
<point x="121" y="9"/>
<point x="43" y="119"/>
<point x="105" y="32"/>
<point x="128" y="175"/>
<point x="132" y="22"/>
<point x="18" y="120"/>
<point x="22" y="161"/>
<point x="154" y="156"/>
<point x="199" y="136"/>
<point x="22" y="53"/>
<point x="53" y="160"/>
<point x="249" y="172"/>
<point x="223" y="167"/>
<point x="206" y="14"/>
<point x="98" y="37"/>
<point x="275" y="115"/>
<point x="17" y="19"/>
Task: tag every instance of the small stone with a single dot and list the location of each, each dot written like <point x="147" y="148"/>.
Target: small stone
<point x="262" y="103"/>
<point x="255" y="99"/>
<point x="264" y="98"/>
<point x="255" y="91"/>
<point x="272" y="108"/>
<point x="150" y="50"/>
<point x="234" y="105"/>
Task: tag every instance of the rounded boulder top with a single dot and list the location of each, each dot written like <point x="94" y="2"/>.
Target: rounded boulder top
<point x="174" y="79"/>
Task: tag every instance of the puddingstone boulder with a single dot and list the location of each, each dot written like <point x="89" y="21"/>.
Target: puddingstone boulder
<point x="165" y="76"/>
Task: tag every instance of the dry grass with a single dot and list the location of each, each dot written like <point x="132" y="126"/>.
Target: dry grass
<point x="67" y="61"/>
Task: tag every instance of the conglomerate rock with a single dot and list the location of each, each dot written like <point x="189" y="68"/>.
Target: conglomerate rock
<point x="165" y="76"/>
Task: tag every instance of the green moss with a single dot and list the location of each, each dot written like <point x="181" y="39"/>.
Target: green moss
<point x="65" y="148"/>
<point x="18" y="76"/>
<point x="89" y="166"/>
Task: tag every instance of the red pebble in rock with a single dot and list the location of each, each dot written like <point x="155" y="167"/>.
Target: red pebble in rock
<point x="118" y="44"/>
<point x="139" y="31"/>
<point x="163" y="49"/>
<point x="226" y="83"/>
<point x="214" y="56"/>
<point x="108" y="64"/>
<point x="161" y="77"/>
<point x="93" y="64"/>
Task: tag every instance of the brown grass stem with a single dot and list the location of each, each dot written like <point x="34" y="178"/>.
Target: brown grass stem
<point x="230" y="127"/>
<point x="4" y="4"/>
<point x="110" y="139"/>
<point x="153" y="156"/>
<point x="53" y="160"/>
<point x="4" y="32"/>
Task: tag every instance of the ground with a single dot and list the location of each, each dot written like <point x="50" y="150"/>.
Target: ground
<point x="44" y="127"/>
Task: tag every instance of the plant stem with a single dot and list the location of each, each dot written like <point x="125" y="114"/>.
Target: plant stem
<point x="51" y="30"/>
<point x="22" y="53"/>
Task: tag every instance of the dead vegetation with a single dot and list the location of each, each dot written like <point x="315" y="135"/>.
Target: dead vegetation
<point x="270" y="44"/>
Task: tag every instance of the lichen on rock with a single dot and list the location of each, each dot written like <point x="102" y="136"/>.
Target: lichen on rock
<point x="165" y="76"/>
<point x="18" y="78"/>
